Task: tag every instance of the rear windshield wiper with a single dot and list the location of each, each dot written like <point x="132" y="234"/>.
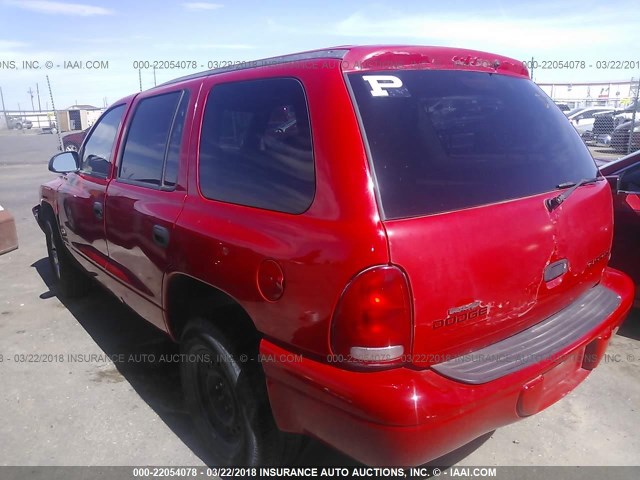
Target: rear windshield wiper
<point x="555" y="202"/>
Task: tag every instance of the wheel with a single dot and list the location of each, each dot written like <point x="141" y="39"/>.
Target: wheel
<point x="70" y="281"/>
<point x="71" y="147"/>
<point x="19" y="126"/>
<point x="225" y="393"/>
<point x="54" y="130"/>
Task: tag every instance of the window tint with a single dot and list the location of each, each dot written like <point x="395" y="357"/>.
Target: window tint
<point x="255" y="146"/>
<point x="96" y="155"/>
<point x="175" y="141"/>
<point x="447" y="140"/>
<point x="630" y="179"/>
<point x="155" y="133"/>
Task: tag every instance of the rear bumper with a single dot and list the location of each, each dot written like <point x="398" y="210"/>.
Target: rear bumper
<point x="409" y="417"/>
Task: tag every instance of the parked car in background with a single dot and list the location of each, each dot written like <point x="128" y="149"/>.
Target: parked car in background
<point x="17" y="123"/>
<point x="625" y="176"/>
<point x="300" y="231"/>
<point x="583" y="119"/>
<point x="51" y="128"/>
<point x="605" y="124"/>
<point x="72" y="141"/>
<point x="573" y="110"/>
<point x="621" y="134"/>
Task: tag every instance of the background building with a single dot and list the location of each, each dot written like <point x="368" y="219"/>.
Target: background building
<point x="75" y="117"/>
<point x="608" y="93"/>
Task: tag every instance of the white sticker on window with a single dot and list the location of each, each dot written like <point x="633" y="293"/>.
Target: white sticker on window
<point x="381" y="83"/>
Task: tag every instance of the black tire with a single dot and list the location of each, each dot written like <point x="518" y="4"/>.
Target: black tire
<point x="19" y="126"/>
<point x="68" y="278"/>
<point x="227" y="398"/>
<point x="71" y="147"/>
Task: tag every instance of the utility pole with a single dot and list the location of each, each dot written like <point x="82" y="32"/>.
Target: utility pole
<point x="633" y="116"/>
<point x="4" y="111"/>
<point x="531" y="69"/>
<point x="38" y="93"/>
<point x="30" y="92"/>
<point x="55" y="115"/>
<point x="154" y="76"/>
<point x="140" y="78"/>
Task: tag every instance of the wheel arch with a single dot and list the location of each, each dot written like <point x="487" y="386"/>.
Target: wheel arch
<point x="46" y="213"/>
<point x="186" y="296"/>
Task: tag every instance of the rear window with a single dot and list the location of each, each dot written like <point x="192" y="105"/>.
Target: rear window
<point x="447" y="140"/>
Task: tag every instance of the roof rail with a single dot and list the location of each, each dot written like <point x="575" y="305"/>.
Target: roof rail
<point x="264" y="62"/>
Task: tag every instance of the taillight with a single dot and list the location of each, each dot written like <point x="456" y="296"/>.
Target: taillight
<point x="372" y="322"/>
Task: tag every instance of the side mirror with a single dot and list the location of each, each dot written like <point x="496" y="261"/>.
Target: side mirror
<point x="64" y="162"/>
<point x="614" y="183"/>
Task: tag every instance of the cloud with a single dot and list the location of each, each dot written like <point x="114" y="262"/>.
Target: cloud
<point x="11" y="49"/>
<point x="11" y="44"/>
<point x="202" y="6"/>
<point x="60" y="8"/>
<point x="454" y="30"/>
<point x="218" y="46"/>
<point x="205" y="46"/>
<point x="494" y="30"/>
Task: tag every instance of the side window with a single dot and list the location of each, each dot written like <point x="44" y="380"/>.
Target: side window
<point x="152" y="146"/>
<point x="630" y="181"/>
<point x="96" y="155"/>
<point x="255" y="145"/>
<point x="175" y="141"/>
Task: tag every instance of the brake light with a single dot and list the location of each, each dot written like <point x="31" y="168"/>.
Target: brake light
<point x="372" y="322"/>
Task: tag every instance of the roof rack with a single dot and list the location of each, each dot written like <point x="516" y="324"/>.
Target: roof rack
<point x="264" y="62"/>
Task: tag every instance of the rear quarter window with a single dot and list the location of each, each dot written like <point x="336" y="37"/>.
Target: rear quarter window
<point x="255" y="146"/>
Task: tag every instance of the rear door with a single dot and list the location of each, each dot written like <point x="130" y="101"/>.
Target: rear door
<point x="81" y="198"/>
<point x="146" y="197"/>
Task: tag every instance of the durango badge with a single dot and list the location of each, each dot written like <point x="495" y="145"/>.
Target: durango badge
<point x="462" y="314"/>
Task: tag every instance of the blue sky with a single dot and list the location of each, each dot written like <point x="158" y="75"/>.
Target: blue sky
<point x="122" y="32"/>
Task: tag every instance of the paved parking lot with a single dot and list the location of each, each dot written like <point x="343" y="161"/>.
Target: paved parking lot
<point x="79" y="408"/>
<point x="604" y="153"/>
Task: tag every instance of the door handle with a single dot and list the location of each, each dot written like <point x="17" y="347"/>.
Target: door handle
<point x="161" y="236"/>
<point x="98" y="210"/>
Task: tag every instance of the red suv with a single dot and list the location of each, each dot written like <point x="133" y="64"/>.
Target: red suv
<point x="391" y="249"/>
